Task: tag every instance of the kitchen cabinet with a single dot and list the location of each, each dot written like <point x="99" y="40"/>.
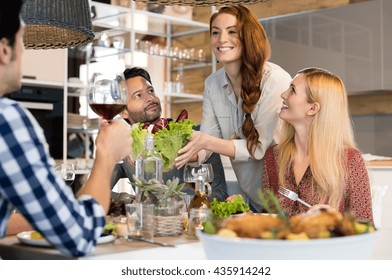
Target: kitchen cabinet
<point x="380" y="175"/>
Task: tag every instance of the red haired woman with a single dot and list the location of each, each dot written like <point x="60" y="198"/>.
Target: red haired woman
<point x="241" y="100"/>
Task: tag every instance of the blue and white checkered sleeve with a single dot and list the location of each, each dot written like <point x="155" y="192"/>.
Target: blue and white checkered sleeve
<point x="29" y="182"/>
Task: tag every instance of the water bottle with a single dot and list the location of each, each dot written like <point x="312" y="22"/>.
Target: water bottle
<point x="149" y="163"/>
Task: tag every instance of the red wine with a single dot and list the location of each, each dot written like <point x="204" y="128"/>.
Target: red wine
<point x="107" y="111"/>
<point x="199" y="200"/>
<point x="69" y="182"/>
<point x="191" y="185"/>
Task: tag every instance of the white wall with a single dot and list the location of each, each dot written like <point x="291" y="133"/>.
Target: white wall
<point x="355" y="43"/>
<point x="45" y="65"/>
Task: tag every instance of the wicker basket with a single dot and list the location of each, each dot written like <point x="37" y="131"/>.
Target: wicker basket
<point x="168" y="225"/>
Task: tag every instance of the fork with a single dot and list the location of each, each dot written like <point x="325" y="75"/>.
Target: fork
<point x="292" y="195"/>
<point x="137" y="238"/>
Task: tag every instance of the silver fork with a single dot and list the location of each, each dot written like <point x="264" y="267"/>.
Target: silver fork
<point x="137" y="238"/>
<point x="292" y="195"/>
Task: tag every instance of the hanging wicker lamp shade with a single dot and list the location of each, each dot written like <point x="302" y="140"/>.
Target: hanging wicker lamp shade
<point x="53" y="24"/>
<point x="200" y="2"/>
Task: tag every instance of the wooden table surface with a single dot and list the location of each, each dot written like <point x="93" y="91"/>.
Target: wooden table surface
<point x="11" y="248"/>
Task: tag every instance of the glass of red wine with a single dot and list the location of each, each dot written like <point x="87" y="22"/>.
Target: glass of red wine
<point x="108" y="95"/>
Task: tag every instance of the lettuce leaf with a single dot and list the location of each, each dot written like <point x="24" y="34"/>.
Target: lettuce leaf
<point x="226" y="208"/>
<point x="138" y="134"/>
<point x="169" y="140"/>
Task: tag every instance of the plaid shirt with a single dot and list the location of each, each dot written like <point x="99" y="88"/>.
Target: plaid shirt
<point x="29" y="183"/>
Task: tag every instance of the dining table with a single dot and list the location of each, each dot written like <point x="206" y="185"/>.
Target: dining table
<point x="186" y="248"/>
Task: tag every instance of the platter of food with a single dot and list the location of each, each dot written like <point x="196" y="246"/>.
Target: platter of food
<point x="326" y="235"/>
<point x="338" y="248"/>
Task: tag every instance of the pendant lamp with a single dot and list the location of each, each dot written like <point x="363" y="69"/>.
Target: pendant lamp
<point x="53" y="24"/>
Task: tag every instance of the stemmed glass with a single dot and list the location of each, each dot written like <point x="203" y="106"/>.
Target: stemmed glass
<point x="108" y="95"/>
<point x="192" y="170"/>
<point x="67" y="172"/>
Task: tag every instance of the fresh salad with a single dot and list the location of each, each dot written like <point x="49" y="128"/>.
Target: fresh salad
<point x="169" y="137"/>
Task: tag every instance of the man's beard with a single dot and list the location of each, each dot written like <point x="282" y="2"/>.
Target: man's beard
<point x="143" y="117"/>
<point x="152" y="118"/>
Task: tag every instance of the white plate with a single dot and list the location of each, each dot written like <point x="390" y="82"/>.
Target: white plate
<point x="105" y="239"/>
<point x="25" y="238"/>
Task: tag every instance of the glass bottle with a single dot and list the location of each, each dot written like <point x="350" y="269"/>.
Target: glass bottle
<point x="149" y="163"/>
<point x="200" y="199"/>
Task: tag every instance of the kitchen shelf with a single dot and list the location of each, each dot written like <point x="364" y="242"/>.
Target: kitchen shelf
<point x="120" y="19"/>
<point x="101" y="52"/>
<point x="32" y="82"/>
<point x="184" y="95"/>
<point x="90" y="131"/>
<point x="192" y="66"/>
<point x="112" y="20"/>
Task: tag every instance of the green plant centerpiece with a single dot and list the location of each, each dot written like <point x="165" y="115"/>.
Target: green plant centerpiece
<point x="166" y="197"/>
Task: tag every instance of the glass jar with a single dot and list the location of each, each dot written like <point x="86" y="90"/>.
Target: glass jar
<point x="196" y="219"/>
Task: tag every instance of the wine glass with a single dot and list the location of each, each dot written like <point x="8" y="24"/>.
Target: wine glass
<point x="67" y="172"/>
<point x="108" y="95"/>
<point x="192" y="170"/>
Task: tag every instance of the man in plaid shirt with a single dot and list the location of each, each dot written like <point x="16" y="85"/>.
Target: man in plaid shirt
<point x="28" y="181"/>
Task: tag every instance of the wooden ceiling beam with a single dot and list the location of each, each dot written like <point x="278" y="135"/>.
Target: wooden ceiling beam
<point x="272" y="8"/>
<point x="281" y="7"/>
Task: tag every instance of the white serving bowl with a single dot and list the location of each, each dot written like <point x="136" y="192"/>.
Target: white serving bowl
<point x="356" y="247"/>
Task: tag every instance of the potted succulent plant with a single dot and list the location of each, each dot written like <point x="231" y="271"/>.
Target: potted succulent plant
<point x="168" y="201"/>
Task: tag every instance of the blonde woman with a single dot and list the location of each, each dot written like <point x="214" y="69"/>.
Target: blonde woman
<point x="317" y="156"/>
<point x="241" y="100"/>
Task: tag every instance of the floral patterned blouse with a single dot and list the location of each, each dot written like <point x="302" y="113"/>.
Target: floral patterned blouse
<point x="357" y="194"/>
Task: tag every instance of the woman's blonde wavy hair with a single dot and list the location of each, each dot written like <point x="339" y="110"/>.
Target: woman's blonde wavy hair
<point x="330" y="134"/>
<point x="256" y="50"/>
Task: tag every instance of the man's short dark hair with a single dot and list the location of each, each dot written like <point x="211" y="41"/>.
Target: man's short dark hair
<point x="10" y="19"/>
<point x="137" y="72"/>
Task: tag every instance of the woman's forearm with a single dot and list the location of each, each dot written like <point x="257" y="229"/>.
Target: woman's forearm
<point x="219" y="146"/>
